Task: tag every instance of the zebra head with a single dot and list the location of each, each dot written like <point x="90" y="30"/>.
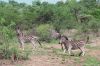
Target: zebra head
<point x="63" y="38"/>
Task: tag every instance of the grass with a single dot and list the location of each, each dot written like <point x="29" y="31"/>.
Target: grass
<point x="93" y="47"/>
<point x="13" y="50"/>
<point x="48" y="50"/>
<point x="54" y="41"/>
<point x="91" y="61"/>
<point x="87" y="60"/>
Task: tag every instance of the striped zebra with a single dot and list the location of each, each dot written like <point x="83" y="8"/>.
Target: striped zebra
<point x="70" y="45"/>
<point x="22" y="39"/>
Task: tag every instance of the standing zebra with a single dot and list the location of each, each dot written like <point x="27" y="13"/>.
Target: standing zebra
<point x="22" y="39"/>
<point x="72" y="45"/>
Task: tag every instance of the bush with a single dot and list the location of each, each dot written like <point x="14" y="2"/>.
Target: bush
<point x="44" y="32"/>
<point x="94" y="25"/>
<point x="13" y="51"/>
<point x="8" y="48"/>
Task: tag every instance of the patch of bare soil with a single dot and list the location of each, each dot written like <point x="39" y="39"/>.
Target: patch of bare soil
<point x="35" y="61"/>
<point x="43" y="61"/>
<point x="95" y="42"/>
<point x="5" y="63"/>
<point x="57" y="46"/>
<point x="95" y="53"/>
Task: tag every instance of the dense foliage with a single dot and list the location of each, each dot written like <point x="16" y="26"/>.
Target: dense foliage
<point x="62" y="15"/>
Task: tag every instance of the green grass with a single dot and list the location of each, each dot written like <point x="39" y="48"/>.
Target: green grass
<point x="54" y="41"/>
<point x="91" y="61"/>
<point x="13" y="49"/>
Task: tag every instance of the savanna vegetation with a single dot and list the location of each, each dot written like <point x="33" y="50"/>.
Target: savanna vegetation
<point x="41" y="17"/>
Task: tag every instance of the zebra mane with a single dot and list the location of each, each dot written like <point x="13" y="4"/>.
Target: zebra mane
<point x="65" y="37"/>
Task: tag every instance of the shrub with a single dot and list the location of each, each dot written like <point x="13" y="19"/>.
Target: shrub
<point x="8" y="48"/>
<point x="94" y="25"/>
<point x="13" y="50"/>
<point x="44" y="32"/>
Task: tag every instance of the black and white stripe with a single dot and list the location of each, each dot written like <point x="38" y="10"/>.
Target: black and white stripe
<point x="30" y="38"/>
<point x="72" y="45"/>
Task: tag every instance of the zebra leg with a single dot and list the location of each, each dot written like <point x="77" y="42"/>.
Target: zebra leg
<point x="39" y="43"/>
<point x="22" y="44"/>
<point x="69" y="50"/>
<point x="33" y="43"/>
<point x="62" y="46"/>
<point x="64" y="50"/>
<point x="82" y="51"/>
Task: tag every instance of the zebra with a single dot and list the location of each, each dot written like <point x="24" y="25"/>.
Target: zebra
<point x="70" y="45"/>
<point x="22" y="39"/>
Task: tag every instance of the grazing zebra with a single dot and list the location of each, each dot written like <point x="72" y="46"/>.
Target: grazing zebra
<point x="72" y="45"/>
<point x="22" y="39"/>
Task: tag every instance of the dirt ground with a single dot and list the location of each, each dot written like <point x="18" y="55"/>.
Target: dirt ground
<point x="53" y="57"/>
